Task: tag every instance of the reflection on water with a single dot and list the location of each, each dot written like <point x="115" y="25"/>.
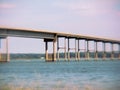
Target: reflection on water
<point x="40" y="75"/>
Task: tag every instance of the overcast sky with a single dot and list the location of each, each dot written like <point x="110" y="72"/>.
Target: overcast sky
<point x="87" y="17"/>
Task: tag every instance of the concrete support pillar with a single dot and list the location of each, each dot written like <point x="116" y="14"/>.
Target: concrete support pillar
<point x="7" y="50"/>
<point x="57" y="48"/>
<point x="54" y="51"/>
<point x="119" y="51"/>
<point x="4" y="56"/>
<point x="46" y="50"/>
<point x="65" y="49"/>
<point x="75" y="50"/>
<point x="96" y="50"/>
<point x="78" y="53"/>
<point x="0" y="50"/>
<point x="51" y="57"/>
<point x="104" y="50"/>
<point x="112" y="51"/>
<point x="87" y="51"/>
<point x="68" y="50"/>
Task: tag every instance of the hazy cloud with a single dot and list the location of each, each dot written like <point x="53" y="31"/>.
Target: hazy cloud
<point x="87" y="17"/>
<point x="88" y="7"/>
<point x="7" y="6"/>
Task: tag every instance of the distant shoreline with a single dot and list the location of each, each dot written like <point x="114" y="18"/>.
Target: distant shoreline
<point x="18" y="56"/>
<point x="26" y="56"/>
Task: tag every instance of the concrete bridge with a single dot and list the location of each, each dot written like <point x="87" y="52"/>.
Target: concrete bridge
<point x="54" y="38"/>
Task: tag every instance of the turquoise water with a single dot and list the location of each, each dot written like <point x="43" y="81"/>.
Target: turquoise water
<point x="73" y="75"/>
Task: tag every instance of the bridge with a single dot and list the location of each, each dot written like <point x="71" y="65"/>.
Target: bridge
<point x="54" y="37"/>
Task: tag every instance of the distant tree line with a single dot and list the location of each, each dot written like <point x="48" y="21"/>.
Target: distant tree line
<point x="91" y="54"/>
<point x="61" y="55"/>
<point x="26" y="56"/>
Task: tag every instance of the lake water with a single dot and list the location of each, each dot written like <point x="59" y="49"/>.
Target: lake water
<point x="73" y="75"/>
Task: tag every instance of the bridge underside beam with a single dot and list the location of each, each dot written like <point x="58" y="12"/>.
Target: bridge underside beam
<point x="27" y="34"/>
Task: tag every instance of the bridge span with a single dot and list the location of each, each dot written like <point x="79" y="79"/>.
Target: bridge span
<point x="54" y="38"/>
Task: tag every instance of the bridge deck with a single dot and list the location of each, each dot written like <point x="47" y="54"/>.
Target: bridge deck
<point x="47" y="34"/>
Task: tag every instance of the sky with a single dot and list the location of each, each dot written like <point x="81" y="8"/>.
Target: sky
<point x="99" y="18"/>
